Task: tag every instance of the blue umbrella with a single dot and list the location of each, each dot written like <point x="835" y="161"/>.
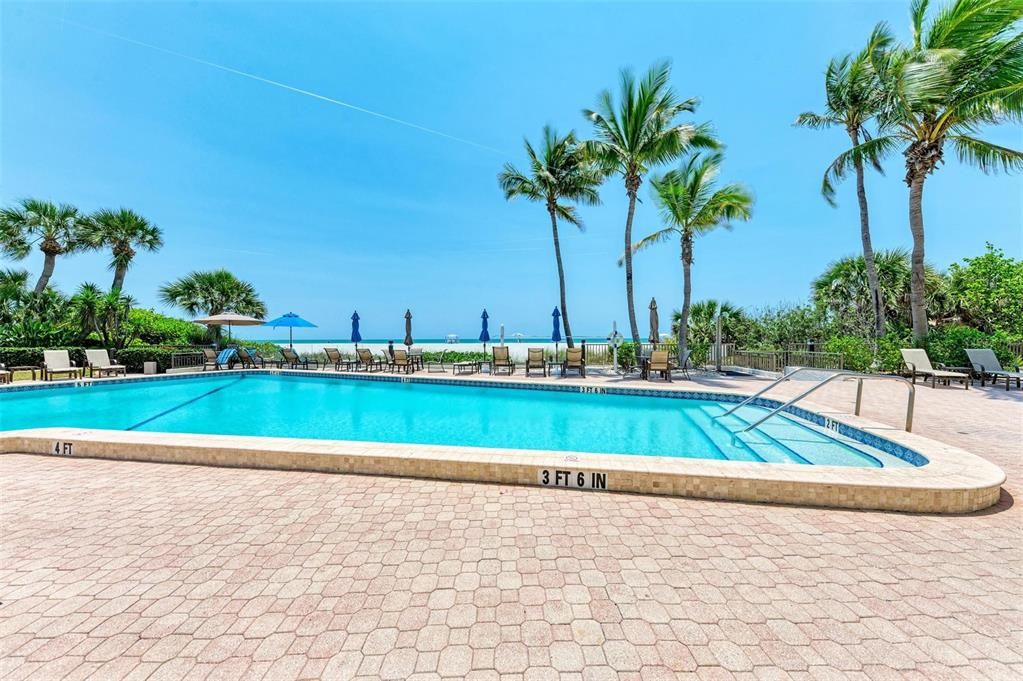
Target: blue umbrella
<point x="356" y="336"/>
<point x="291" y="320"/>
<point x="485" y="333"/>
<point x="556" y="336"/>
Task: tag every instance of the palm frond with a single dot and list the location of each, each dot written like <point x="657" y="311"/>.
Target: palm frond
<point x="871" y="151"/>
<point x="985" y="155"/>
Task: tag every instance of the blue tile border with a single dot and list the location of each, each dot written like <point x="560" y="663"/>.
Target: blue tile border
<point x="871" y="440"/>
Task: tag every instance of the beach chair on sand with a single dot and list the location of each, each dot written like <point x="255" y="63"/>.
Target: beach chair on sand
<point x="402" y="362"/>
<point x="367" y="361"/>
<point x="58" y="363"/>
<point x="985" y="363"/>
<point x="100" y="365"/>
<point x="502" y="362"/>
<point x="660" y="364"/>
<point x="574" y="361"/>
<point x="919" y="364"/>
<point x="535" y="360"/>
<point x="293" y="361"/>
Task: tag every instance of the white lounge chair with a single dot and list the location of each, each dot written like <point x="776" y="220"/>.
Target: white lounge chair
<point x="985" y="363"/>
<point x="58" y="362"/>
<point x="919" y="364"/>
<point x="99" y="364"/>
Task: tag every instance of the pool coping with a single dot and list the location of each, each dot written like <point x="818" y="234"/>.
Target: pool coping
<point x="951" y="481"/>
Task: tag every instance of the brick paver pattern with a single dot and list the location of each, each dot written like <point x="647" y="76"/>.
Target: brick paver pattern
<point x="114" y="570"/>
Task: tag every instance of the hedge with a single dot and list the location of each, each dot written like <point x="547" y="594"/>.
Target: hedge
<point x="15" y="357"/>
<point x="131" y="357"/>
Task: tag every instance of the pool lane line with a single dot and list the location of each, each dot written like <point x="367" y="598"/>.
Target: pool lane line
<point x="185" y="403"/>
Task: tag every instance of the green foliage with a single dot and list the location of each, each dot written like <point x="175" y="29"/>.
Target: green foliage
<point x="627" y="355"/>
<point x="135" y="356"/>
<point x="888" y="358"/>
<point x="33" y="356"/>
<point x="948" y="345"/>
<point x="988" y="291"/>
<point x="212" y="293"/>
<point x="152" y="328"/>
<point x="451" y="357"/>
<point x="103" y="316"/>
<point x="267" y="349"/>
<point x="779" y="327"/>
<point x="857" y="355"/>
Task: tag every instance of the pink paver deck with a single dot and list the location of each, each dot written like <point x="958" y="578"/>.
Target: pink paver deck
<point x="130" y="570"/>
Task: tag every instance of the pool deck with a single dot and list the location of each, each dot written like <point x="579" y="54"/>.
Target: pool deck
<point x="113" y="570"/>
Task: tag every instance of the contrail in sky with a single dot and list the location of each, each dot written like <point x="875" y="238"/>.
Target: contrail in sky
<point x="285" y="86"/>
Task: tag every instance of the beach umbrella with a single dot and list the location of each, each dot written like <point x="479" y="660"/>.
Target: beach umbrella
<point x="291" y="321"/>
<point x="485" y="332"/>
<point x="654" y="322"/>
<point x="229" y="319"/>
<point x="556" y="335"/>
<point x="356" y="336"/>
<point x="408" y="328"/>
<point x="502" y="334"/>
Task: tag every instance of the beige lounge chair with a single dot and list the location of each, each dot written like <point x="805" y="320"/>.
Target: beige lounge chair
<point x="502" y="362"/>
<point x="367" y="361"/>
<point x="985" y="363"/>
<point x="334" y="357"/>
<point x="535" y="360"/>
<point x="659" y="363"/>
<point x="247" y="358"/>
<point x="402" y="362"/>
<point x="437" y="364"/>
<point x="209" y="359"/>
<point x="58" y="363"/>
<point x="99" y="364"/>
<point x="919" y="364"/>
<point x="574" y="361"/>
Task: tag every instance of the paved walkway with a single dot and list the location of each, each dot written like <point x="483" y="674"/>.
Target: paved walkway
<point x="112" y="570"/>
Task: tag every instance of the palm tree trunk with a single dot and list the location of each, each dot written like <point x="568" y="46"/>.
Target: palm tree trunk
<point x="917" y="291"/>
<point x="49" y="260"/>
<point x="868" y="249"/>
<point x="561" y="277"/>
<point x="631" y="187"/>
<point x="687" y="293"/>
<point x="119" y="272"/>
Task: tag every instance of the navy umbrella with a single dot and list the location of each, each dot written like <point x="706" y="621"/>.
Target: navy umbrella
<point x="292" y="321"/>
<point x="556" y="336"/>
<point x="356" y="336"/>
<point x="485" y="333"/>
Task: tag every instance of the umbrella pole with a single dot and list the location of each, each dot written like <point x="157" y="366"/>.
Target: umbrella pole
<point x="291" y="338"/>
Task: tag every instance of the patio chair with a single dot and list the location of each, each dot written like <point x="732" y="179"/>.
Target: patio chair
<point x="535" y="360"/>
<point x="919" y="364"/>
<point x="502" y="362"/>
<point x="416" y="357"/>
<point x="293" y="361"/>
<point x="437" y="364"/>
<point x="210" y="359"/>
<point x="367" y="361"/>
<point x="58" y="363"/>
<point x="985" y="363"/>
<point x="99" y="363"/>
<point x="574" y="361"/>
<point x="247" y="358"/>
<point x="402" y="362"/>
<point x="659" y="364"/>
<point x="683" y="363"/>
<point x="334" y="357"/>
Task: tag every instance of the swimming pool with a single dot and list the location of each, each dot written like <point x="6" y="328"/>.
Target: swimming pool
<point x="427" y="412"/>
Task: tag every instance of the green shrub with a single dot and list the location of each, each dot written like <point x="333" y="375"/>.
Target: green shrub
<point x="455" y="356"/>
<point x="153" y="328"/>
<point x="857" y="355"/>
<point x="948" y="345"/>
<point x="888" y="357"/>
<point x="13" y="357"/>
<point x="135" y="356"/>
<point x="627" y="355"/>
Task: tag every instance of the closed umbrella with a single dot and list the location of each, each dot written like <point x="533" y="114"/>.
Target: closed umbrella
<point x="356" y="336"/>
<point x="291" y="321"/>
<point x="408" y="328"/>
<point x="229" y="319"/>
<point x="485" y="332"/>
<point x="556" y="334"/>
<point x="654" y="322"/>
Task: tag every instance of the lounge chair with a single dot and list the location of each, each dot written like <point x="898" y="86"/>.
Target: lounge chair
<point x="574" y="361"/>
<point x="99" y="363"/>
<point x="402" y="362"/>
<point x="919" y="364"/>
<point x="293" y="361"/>
<point x="248" y="359"/>
<point x="502" y="361"/>
<point x="367" y="361"/>
<point x="535" y="360"/>
<point x="659" y="364"/>
<point x="683" y="364"/>
<point x="415" y="355"/>
<point x="334" y="357"/>
<point x="210" y="359"/>
<point x="985" y="363"/>
<point x="58" y="363"/>
<point x="5" y="375"/>
<point x="437" y="363"/>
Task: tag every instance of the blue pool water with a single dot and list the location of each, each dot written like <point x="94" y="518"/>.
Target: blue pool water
<point x="427" y="413"/>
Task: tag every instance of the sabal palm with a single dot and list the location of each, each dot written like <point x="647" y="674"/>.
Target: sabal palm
<point x="691" y="204"/>
<point x="211" y="293"/>
<point x="104" y="313"/>
<point x="558" y="173"/>
<point x="122" y="231"/>
<point x="703" y="316"/>
<point x="56" y="229"/>
<point x="963" y="71"/>
<point x="635" y="133"/>
<point x="852" y="99"/>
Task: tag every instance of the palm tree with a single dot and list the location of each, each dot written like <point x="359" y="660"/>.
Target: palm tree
<point x="852" y="99"/>
<point x="637" y="132"/>
<point x="123" y="231"/>
<point x="103" y="313"/>
<point x="963" y="71"/>
<point x="558" y="173"/>
<point x="13" y="293"/>
<point x="54" y="228"/>
<point x="212" y="293"/>
<point x="691" y="205"/>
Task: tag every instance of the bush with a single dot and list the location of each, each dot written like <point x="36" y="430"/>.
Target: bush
<point x="135" y="356"/>
<point x="857" y="355"/>
<point x="451" y="357"/>
<point x="153" y="328"/>
<point x="948" y="345"/>
<point x="13" y="357"/>
<point x="888" y="356"/>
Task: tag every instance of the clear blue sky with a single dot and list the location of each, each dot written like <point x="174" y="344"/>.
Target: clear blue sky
<point x="327" y="209"/>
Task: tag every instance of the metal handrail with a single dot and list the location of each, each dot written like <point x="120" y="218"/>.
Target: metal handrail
<point x="773" y="383"/>
<point x="844" y="375"/>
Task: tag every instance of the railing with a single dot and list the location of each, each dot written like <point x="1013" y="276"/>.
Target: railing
<point x="600" y="354"/>
<point x="1016" y="349"/>
<point x="776" y="361"/>
<point x="186" y="360"/>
